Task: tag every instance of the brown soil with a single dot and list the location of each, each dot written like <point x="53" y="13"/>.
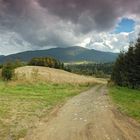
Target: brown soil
<point x="88" y="116"/>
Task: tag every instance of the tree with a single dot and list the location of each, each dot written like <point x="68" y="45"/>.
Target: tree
<point x="130" y="67"/>
<point x="118" y="70"/>
<point x="46" y="62"/>
<point x="137" y="62"/>
<point x="7" y="71"/>
<point x="126" y="71"/>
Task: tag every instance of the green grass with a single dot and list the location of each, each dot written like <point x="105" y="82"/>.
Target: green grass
<point x="22" y="105"/>
<point x="127" y="100"/>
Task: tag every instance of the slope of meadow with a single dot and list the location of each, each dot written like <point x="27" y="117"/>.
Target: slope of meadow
<point x="33" y="94"/>
<point x="53" y="75"/>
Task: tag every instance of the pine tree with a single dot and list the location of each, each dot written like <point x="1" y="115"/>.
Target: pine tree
<point x="137" y="62"/>
<point x="118" y="70"/>
<point x="126" y="71"/>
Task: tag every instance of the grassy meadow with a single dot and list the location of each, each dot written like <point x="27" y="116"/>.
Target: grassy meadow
<point x="22" y="105"/>
<point x="33" y="93"/>
<point x="127" y="100"/>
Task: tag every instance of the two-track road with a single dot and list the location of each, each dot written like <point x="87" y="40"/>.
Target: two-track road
<point x="88" y="116"/>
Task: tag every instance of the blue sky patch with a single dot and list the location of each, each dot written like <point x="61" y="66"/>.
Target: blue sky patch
<point x="125" y="25"/>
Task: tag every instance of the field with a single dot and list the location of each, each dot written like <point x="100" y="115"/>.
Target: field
<point x="33" y="94"/>
<point x="32" y="73"/>
<point x="127" y="101"/>
<point x="23" y="105"/>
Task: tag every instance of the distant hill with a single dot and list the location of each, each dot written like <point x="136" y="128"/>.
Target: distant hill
<point x="70" y="54"/>
<point x="1" y="56"/>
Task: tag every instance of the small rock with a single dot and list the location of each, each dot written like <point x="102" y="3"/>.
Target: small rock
<point x="75" y="119"/>
<point x="75" y="114"/>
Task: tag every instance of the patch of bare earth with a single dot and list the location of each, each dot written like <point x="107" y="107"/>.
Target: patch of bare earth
<point x="88" y="116"/>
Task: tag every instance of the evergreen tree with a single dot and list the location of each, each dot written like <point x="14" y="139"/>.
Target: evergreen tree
<point x="137" y="62"/>
<point x="118" y="70"/>
<point x="126" y="71"/>
<point x="130" y="67"/>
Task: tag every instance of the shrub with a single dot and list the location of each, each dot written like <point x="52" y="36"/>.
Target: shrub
<point x="7" y="71"/>
<point x="1" y="66"/>
<point x="17" y="63"/>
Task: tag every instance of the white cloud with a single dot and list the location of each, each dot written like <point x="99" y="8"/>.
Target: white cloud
<point x="84" y="42"/>
<point x="111" y="42"/>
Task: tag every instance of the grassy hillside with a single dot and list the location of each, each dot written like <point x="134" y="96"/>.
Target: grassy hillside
<point x="70" y="54"/>
<point x="33" y="73"/>
<point x="23" y="105"/>
<point x="33" y="94"/>
<point x="1" y="56"/>
<point x="127" y="100"/>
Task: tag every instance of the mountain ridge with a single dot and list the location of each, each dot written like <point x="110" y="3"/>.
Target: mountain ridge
<point x="69" y="54"/>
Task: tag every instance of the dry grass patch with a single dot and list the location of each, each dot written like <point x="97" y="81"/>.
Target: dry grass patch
<point x="23" y="105"/>
<point x="30" y="73"/>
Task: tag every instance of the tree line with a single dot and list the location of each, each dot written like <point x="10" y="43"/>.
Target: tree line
<point x="46" y="62"/>
<point x="100" y="70"/>
<point x="126" y="70"/>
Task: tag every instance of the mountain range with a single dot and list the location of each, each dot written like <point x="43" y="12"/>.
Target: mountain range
<point x="69" y="54"/>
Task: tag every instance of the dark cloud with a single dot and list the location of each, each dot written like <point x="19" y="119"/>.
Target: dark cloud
<point x="22" y="17"/>
<point x="100" y="15"/>
<point x="89" y="14"/>
<point x="54" y="22"/>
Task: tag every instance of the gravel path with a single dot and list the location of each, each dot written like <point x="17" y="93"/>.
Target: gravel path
<point x="88" y="116"/>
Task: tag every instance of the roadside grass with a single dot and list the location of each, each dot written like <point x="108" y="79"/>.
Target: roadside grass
<point x="23" y="105"/>
<point x="127" y="100"/>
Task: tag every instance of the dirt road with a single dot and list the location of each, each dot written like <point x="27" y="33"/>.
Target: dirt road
<point x="88" y="116"/>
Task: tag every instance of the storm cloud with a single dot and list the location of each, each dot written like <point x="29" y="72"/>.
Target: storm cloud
<point x="62" y="23"/>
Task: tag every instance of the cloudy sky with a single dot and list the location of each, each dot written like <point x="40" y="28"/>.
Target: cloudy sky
<point x="107" y="25"/>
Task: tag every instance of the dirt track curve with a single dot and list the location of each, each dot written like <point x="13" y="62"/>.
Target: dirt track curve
<point x="88" y="116"/>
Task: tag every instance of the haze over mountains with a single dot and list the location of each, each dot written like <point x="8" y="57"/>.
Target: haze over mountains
<point x="71" y="54"/>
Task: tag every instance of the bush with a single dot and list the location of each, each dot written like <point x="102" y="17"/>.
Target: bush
<point x="1" y="66"/>
<point x="17" y="63"/>
<point x="7" y="71"/>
